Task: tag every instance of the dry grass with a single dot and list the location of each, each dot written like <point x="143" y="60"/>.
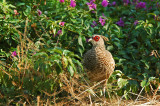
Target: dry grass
<point x="76" y="90"/>
<point x="79" y="93"/>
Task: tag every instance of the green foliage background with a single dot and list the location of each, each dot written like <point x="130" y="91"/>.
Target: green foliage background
<point x="42" y="57"/>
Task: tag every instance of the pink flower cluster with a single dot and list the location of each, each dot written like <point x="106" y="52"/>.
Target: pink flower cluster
<point x="141" y="5"/>
<point x="14" y="54"/>
<point x="91" y="5"/>
<point x="72" y="3"/>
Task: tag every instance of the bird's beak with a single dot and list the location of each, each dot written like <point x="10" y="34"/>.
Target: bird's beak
<point x="90" y="39"/>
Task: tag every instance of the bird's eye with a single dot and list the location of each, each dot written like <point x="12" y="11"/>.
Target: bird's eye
<point x="96" y="38"/>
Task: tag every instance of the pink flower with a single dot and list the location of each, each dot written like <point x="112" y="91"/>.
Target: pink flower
<point x="54" y="35"/>
<point x="91" y="5"/>
<point x="102" y="21"/>
<point x="126" y="1"/>
<point x="15" y="12"/>
<point x="59" y="32"/>
<point x="158" y="5"/>
<point x="136" y="22"/>
<point x="87" y="39"/>
<point x="120" y="22"/>
<point x="94" y="24"/>
<point x="92" y="0"/>
<point x="104" y="3"/>
<point x="14" y="54"/>
<point x="72" y="3"/>
<point x="61" y="1"/>
<point x="62" y="23"/>
<point x="135" y="1"/>
<point x="141" y="5"/>
<point x="113" y="3"/>
<point x="39" y="12"/>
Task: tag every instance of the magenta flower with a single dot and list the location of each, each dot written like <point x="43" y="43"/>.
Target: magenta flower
<point x="104" y="3"/>
<point x="126" y="1"/>
<point x="102" y="21"/>
<point x="136" y="22"/>
<point x="135" y="1"/>
<point x="150" y="8"/>
<point x="94" y="24"/>
<point x="93" y="12"/>
<point x="62" y="23"/>
<point x="61" y="1"/>
<point x="87" y="40"/>
<point x="54" y="35"/>
<point x="59" y="32"/>
<point x="120" y="22"/>
<point x="14" y="54"/>
<point x="113" y="3"/>
<point x="72" y="3"/>
<point x="103" y="15"/>
<point x="92" y="0"/>
<point x="39" y="12"/>
<point x="91" y="5"/>
<point x="158" y="5"/>
<point x="141" y="5"/>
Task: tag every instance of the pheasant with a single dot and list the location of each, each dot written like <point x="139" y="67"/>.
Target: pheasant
<point x="98" y="62"/>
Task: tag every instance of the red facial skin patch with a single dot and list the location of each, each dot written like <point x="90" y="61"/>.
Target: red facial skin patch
<point x="96" y="38"/>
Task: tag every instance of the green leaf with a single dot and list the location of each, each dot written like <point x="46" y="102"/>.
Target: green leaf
<point x="70" y="69"/>
<point x="78" y="62"/>
<point x="27" y="11"/>
<point x="65" y="61"/>
<point x="41" y="54"/>
<point x="138" y="26"/>
<point x="80" y="41"/>
<point x="110" y="48"/>
<point x="122" y="82"/>
<point x="151" y="78"/>
<point x="122" y="60"/>
<point x="117" y="72"/>
<point x="144" y="83"/>
<point x="20" y="4"/>
<point x="65" y="52"/>
<point x="58" y="50"/>
<point x="12" y="6"/>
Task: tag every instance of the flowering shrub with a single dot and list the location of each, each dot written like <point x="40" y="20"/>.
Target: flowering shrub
<point x="48" y="38"/>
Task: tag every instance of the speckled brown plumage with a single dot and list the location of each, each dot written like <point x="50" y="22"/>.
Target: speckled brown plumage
<point x="98" y="62"/>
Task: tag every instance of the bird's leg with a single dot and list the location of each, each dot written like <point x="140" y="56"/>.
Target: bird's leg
<point x="104" y="88"/>
<point x="90" y="99"/>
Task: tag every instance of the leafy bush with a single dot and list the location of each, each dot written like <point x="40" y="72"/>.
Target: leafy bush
<point x="43" y="41"/>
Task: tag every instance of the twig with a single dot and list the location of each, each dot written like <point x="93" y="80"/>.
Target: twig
<point x="155" y="92"/>
<point x="92" y="87"/>
<point x="119" y="102"/>
<point x="38" y="100"/>
<point x="6" y="73"/>
<point x="139" y="94"/>
<point x="90" y="99"/>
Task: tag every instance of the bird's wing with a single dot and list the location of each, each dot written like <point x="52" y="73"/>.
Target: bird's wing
<point x="88" y="60"/>
<point x="109" y="61"/>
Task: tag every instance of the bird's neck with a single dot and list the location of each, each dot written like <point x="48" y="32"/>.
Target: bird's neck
<point x="99" y="47"/>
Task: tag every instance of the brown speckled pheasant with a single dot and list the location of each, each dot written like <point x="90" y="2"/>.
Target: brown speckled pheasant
<point x="98" y="62"/>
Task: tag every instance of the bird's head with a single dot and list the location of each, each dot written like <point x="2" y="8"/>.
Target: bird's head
<point x="98" y="40"/>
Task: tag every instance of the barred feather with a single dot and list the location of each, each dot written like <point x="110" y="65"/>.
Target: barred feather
<point x="98" y="61"/>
